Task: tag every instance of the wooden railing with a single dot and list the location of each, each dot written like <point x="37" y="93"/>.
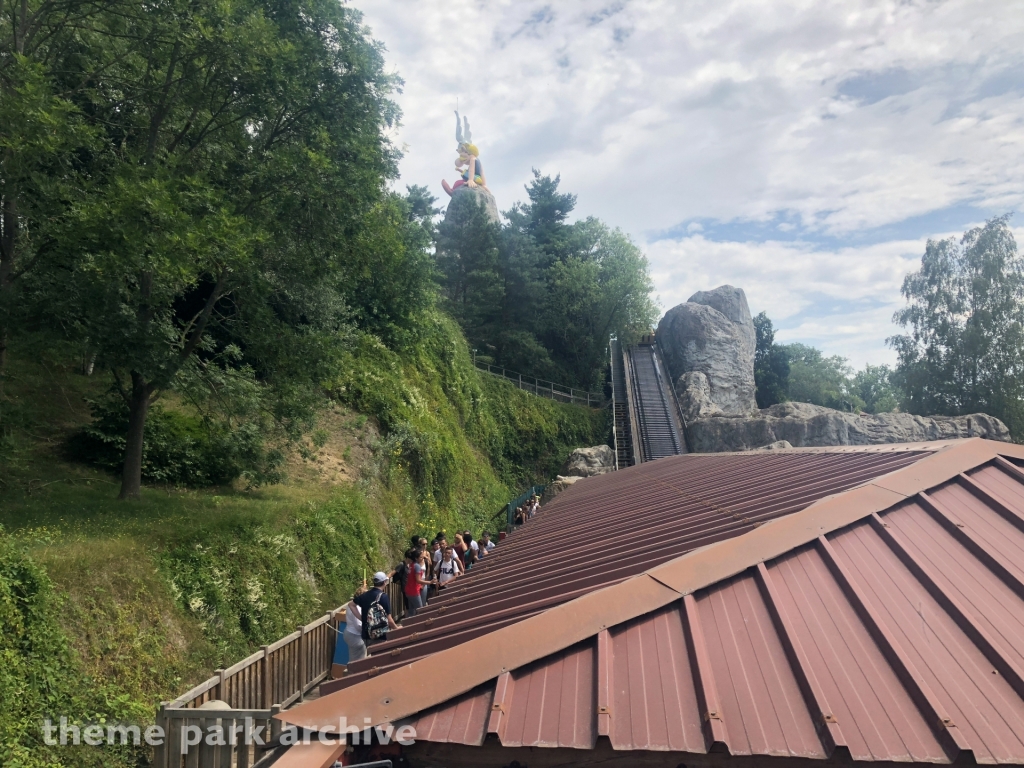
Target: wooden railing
<point x="257" y="687"/>
<point x="543" y="388"/>
<point x="279" y="673"/>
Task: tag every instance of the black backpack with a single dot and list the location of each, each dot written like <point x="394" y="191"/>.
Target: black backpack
<point x="376" y="620"/>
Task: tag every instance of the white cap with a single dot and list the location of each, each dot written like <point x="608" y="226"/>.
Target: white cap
<point x="380" y="578"/>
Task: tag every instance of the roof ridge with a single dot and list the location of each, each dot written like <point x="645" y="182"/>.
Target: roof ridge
<point x="400" y="692"/>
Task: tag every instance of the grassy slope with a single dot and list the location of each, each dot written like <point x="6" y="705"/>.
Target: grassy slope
<point x="154" y="595"/>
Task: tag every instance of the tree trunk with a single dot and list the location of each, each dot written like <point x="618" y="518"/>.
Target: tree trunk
<point x="3" y="360"/>
<point x="138" y="409"/>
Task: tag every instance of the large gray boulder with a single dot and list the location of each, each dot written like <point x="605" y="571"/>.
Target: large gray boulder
<point x="467" y="195"/>
<point x="587" y="462"/>
<point x="712" y="334"/>
<point x="806" y="425"/>
<point x="582" y="463"/>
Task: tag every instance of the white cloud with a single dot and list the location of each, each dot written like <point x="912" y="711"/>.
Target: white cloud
<point x="846" y="115"/>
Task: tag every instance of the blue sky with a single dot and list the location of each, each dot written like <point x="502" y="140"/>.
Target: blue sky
<point x="804" y="151"/>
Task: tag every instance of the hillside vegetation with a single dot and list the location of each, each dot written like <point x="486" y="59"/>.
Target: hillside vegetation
<point x="106" y="608"/>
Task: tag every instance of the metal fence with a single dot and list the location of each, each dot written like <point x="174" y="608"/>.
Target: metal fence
<point x="543" y="388"/>
<point x="534" y="490"/>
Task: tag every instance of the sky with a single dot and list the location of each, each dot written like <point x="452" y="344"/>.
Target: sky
<point x="803" y="151"/>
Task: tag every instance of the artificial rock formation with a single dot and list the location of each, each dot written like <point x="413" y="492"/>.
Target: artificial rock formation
<point x="712" y="334"/>
<point x="587" y="462"/>
<point x="708" y="346"/>
<point x="805" y="425"/>
<point x="582" y="463"/>
<point x="467" y="195"/>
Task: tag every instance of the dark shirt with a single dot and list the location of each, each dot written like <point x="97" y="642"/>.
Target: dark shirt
<point x="365" y="600"/>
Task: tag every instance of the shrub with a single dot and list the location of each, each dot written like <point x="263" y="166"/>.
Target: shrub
<point x="179" y="449"/>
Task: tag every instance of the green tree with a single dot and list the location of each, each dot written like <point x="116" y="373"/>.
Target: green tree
<point x="965" y="314"/>
<point x="874" y="385"/>
<point x="539" y="294"/>
<point x="604" y="290"/>
<point x="815" y="378"/>
<point x="48" y="53"/>
<point x="469" y="261"/>
<point x="237" y="220"/>
<point x="771" y="364"/>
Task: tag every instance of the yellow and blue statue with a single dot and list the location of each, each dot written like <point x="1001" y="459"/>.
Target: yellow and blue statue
<point x="468" y="163"/>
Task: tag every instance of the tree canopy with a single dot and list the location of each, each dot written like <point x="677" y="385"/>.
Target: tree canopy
<point x="771" y="364"/>
<point x="541" y="295"/>
<point x="196" y="195"/>
<point x="964" y="349"/>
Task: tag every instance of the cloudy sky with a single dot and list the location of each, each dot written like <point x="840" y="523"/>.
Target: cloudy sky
<point x="801" y="150"/>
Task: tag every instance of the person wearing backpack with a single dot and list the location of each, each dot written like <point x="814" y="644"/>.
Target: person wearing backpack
<point x="375" y="607"/>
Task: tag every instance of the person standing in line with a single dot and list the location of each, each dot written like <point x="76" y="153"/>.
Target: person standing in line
<point x="372" y="605"/>
<point x="353" y="634"/>
<point x="460" y="547"/>
<point x="428" y="571"/>
<point x="485" y="542"/>
<point x="473" y="552"/>
<point x="414" y="582"/>
<point x="448" y="570"/>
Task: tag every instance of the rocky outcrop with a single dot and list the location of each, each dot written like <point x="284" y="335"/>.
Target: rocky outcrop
<point x="587" y="462"/>
<point x="466" y="195"/>
<point x="806" y="425"/>
<point x="694" y="394"/>
<point x="711" y="334"/>
<point x="556" y="486"/>
<point x="582" y="463"/>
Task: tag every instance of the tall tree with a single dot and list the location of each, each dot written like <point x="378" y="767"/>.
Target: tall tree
<point x="49" y="52"/>
<point x="771" y="364"/>
<point x="965" y="313"/>
<point x="469" y="260"/>
<point x="820" y="379"/>
<point x="240" y="194"/>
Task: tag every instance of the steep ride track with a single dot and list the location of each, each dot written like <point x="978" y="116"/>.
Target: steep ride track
<point x="656" y="428"/>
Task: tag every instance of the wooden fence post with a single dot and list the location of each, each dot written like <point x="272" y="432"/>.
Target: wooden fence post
<point x="275" y="725"/>
<point x="160" y="750"/>
<point x="302" y="660"/>
<point x="267" y="688"/>
<point x="220" y="685"/>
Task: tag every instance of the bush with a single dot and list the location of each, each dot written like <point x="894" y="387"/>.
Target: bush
<point x="179" y="449"/>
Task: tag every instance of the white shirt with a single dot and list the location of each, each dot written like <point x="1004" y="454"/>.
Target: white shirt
<point x="353" y="619"/>
<point x="490" y="545"/>
<point x="474" y="545"/>
<point x="447" y="570"/>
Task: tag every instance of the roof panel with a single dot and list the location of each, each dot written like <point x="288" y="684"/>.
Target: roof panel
<point x="648" y="514"/>
<point x="898" y="634"/>
<point x="653" y="701"/>
<point x="756" y="684"/>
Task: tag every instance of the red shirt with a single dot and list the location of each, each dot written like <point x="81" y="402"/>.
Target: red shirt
<point x="412" y="580"/>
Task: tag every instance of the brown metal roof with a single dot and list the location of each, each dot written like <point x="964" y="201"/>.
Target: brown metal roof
<point x="606" y="529"/>
<point x="886" y="622"/>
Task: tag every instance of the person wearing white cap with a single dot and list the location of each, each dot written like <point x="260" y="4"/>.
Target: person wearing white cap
<point x="374" y="607"/>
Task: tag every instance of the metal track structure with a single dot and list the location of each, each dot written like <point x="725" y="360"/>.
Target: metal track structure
<point x="622" y="432"/>
<point x="645" y="425"/>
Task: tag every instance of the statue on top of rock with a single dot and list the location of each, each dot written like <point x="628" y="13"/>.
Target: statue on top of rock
<point x="468" y="163"/>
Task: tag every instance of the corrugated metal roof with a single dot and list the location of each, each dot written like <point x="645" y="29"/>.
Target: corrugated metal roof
<point x="886" y="622"/>
<point x="606" y="529"/>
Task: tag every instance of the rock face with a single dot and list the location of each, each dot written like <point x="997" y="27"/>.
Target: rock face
<point x="582" y="462"/>
<point x="711" y="334"/>
<point x="708" y="346"/>
<point x="466" y="195"/>
<point x="587" y="462"/>
<point x="806" y="425"/>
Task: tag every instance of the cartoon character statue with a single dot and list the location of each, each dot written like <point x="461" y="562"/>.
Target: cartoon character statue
<point x="468" y="163"/>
